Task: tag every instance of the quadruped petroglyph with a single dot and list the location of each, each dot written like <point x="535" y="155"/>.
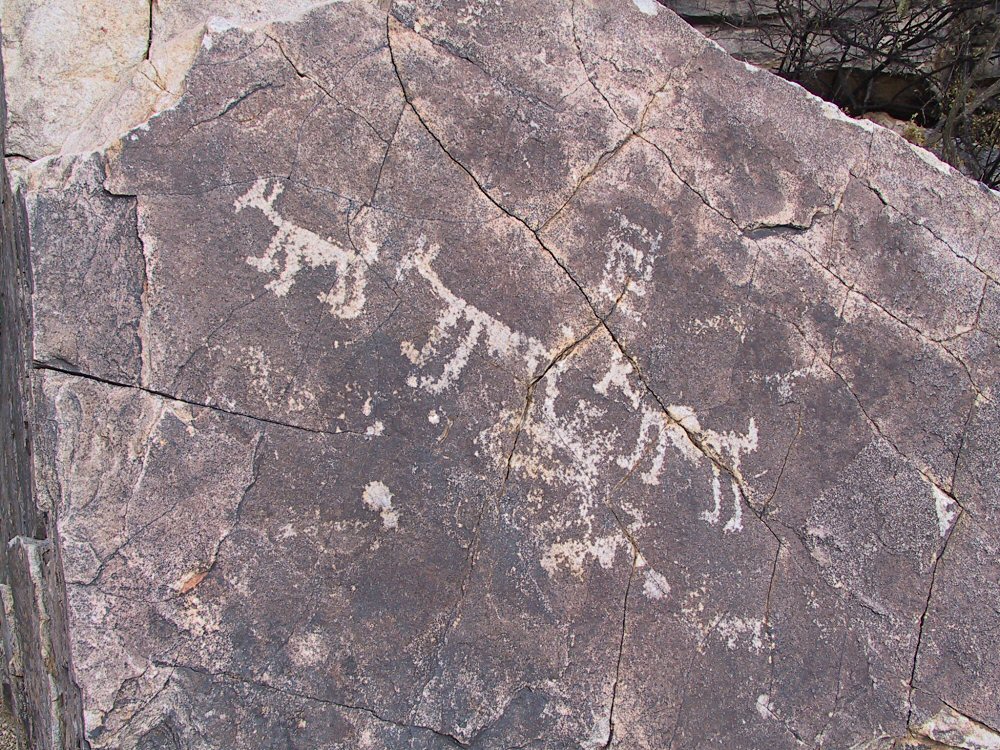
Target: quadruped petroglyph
<point x="487" y="375"/>
<point x="293" y="249"/>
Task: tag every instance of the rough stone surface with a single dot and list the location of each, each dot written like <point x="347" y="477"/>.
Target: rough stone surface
<point x="35" y="669"/>
<point x="8" y="730"/>
<point x="82" y="71"/>
<point x="505" y="375"/>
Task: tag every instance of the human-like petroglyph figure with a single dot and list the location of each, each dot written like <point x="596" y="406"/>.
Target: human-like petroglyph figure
<point x="629" y="260"/>
<point x="301" y="247"/>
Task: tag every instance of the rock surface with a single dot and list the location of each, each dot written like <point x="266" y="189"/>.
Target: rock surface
<point x="493" y="376"/>
<point x="82" y="71"/>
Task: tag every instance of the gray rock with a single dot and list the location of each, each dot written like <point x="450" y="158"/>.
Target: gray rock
<point x="501" y="376"/>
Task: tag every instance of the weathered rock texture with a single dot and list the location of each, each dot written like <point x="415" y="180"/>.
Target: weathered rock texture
<point x="502" y="375"/>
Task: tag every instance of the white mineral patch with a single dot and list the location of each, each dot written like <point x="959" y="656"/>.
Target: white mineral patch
<point x="956" y="730"/>
<point x="784" y="381"/>
<point x="945" y="508"/>
<point x="378" y="498"/>
<point x="307" y="650"/>
<point x="655" y="585"/>
<point x="217" y="25"/>
<point x="684" y="416"/>
<point x="682" y="443"/>
<point x="732" y="629"/>
<point x="764" y="706"/>
<point x="649" y="7"/>
<point x="433" y="417"/>
<point x="717" y="323"/>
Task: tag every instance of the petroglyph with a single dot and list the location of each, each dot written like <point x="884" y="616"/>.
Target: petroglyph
<point x="292" y="248"/>
<point x="461" y="327"/>
<point x="626" y="262"/>
<point x="574" y="445"/>
<point x="389" y="391"/>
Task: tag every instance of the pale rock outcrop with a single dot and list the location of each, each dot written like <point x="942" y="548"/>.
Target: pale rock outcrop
<point x="81" y="73"/>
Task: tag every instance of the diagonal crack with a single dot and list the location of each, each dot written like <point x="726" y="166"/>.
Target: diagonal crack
<point x="979" y="722"/>
<point x="255" y="464"/>
<point x="784" y="461"/>
<point x="325" y="90"/>
<point x="47" y="366"/>
<point x="562" y="354"/>
<point x="935" y="343"/>
<point x="873" y="425"/>
<point x="204" y="345"/>
<point x="762" y="230"/>
<point x="302" y="695"/>
<point x="923" y="615"/>
<point x="621" y="651"/>
<point x="227" y="108"/>
<point x="142" y="328"/>
<point x="696" y="439"/>
<point x="586" y="71"/>
<point x="927" y="228"/>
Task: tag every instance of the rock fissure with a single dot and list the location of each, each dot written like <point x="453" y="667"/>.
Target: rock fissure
<point x="984" y="725"/>
<point x="821" y="737"/>
<point x="37" y="365"/>
<point x="621" y="651"/>
<point x="586" y="71"/>
<point x="853" y="289"/>
<point x="228" y="107"/>
<point x="149" y="33"/>
<point x="326" y="91"/>
<point x="784" y="461"/>
<point x="921" y="624"/>
<point x="926" y="473"/>
<point x="453" y="51"/>
<point x="213" y="558"/>
<point x="973" y="262"/>
<point x="206" y="342"/>
<point x="312" y="698"/>
<point x="541" y="308"/>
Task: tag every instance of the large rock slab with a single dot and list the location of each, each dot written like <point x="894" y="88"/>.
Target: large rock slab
<point x="467" y="375"/>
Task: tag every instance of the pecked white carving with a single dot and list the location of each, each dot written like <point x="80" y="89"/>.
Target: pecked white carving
<point x="293" y="248"/>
